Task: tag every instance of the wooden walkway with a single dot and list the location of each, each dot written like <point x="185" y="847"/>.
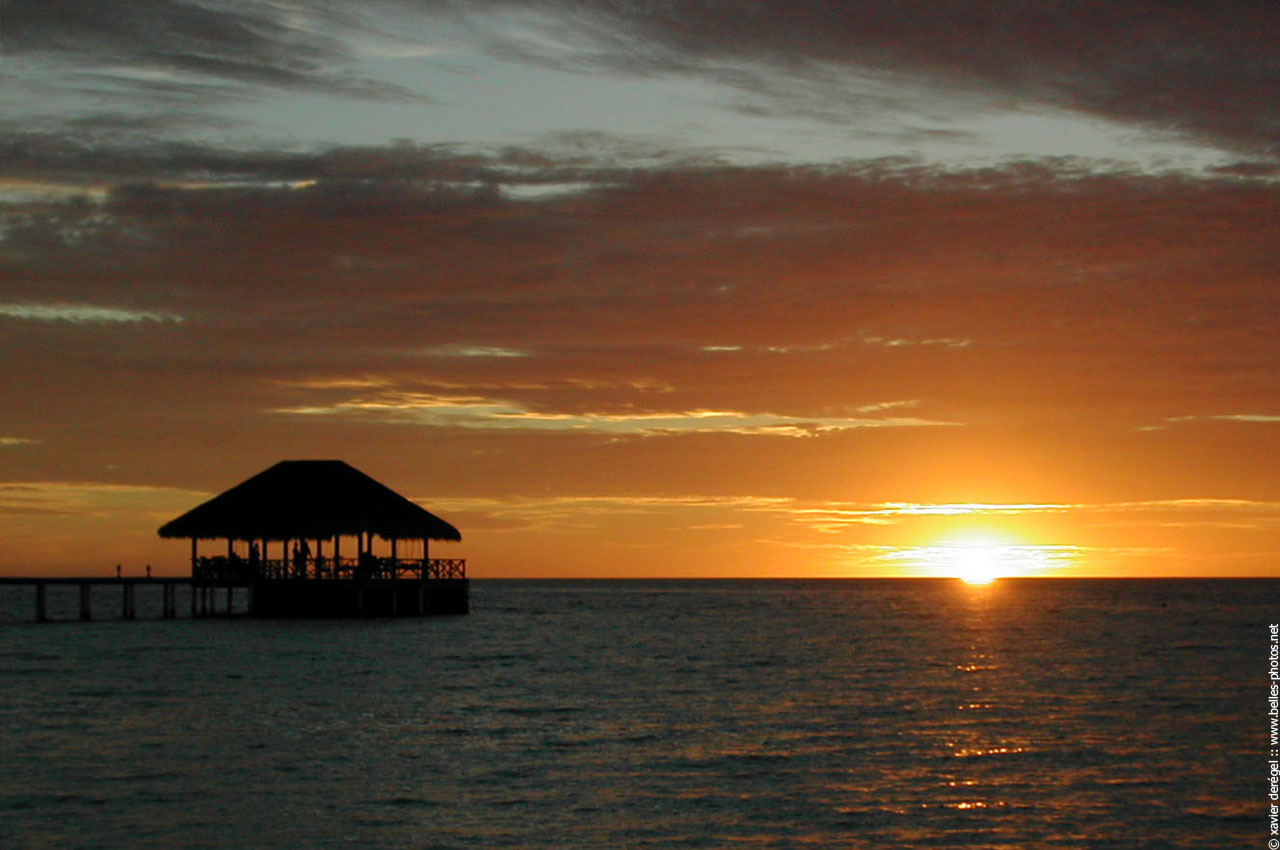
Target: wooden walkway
<point x="216" y="596"/>
<point x="201" y="604"/>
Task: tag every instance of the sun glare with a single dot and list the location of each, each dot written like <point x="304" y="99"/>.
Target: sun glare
<point x="977" y="564"/>
<point x="982" y="558"/>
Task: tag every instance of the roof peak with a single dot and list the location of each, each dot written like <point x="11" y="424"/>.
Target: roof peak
<point x="309" y="499"/>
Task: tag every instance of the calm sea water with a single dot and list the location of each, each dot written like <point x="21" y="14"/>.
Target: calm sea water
<point x="827" y="714"/>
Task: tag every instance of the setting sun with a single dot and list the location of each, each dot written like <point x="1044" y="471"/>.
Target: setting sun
<point x="981" y="558"/>
<point x="977" y="563"/>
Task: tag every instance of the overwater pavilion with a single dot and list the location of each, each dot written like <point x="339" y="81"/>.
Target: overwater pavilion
<point x="284" y="531"/>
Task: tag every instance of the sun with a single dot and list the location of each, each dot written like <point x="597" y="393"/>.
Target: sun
<point x="976" y="562"/>
<point x="982" y="557"/>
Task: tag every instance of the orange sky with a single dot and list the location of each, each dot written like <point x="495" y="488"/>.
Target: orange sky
<point x="856" y="289"/>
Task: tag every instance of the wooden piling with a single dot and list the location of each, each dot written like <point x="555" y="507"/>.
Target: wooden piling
<point x="86" y="612"/>
<point x="41" y="616"/>
<point x="127" y="601"/>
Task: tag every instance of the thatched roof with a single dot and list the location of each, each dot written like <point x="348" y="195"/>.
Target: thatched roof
<point x="309" y="499"/>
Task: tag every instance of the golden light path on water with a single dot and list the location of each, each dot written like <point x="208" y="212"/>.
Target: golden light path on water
<point x="981" y="558"/>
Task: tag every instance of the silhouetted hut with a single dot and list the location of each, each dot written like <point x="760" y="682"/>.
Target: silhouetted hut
<point x="302" y="509"/>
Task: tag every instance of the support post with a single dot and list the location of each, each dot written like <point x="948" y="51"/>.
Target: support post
<point x="86" y="613"/>
<point x="41" y="616"/>
<point x="127" y="601"/>
<point x="230" y="599"/>
<point x="170" y="601"/>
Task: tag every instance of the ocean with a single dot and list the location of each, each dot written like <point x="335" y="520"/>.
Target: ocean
<point x="654" y="714"/>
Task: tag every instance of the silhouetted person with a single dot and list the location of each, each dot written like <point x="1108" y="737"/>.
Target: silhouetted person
<point x="301" y="554"/>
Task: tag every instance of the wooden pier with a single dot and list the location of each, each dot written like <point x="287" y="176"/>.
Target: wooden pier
<point x="221" y="596"/>
<point x="283" y="531"/>
<point x="128" y="594"/>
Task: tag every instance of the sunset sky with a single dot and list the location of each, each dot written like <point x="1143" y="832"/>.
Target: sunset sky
<point x="678" y="288"/>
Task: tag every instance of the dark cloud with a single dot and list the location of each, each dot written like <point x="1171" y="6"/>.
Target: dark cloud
<point x="1206" y="69"/>
<point x="400" y="168"/>
<point x="1184" y="68"/>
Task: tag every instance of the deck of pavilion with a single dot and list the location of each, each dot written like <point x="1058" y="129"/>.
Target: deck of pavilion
<point x="281" y="534"/>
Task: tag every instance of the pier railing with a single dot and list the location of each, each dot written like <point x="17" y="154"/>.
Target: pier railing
<point x="223" y="570"/>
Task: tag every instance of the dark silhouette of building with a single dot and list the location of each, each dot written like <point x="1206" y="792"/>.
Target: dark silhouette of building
<point x="290" y="522"/>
